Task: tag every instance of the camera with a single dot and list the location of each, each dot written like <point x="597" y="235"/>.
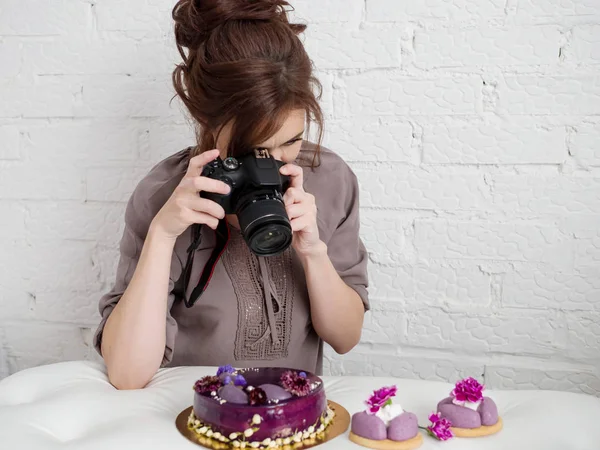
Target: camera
<point x="256" y="197"/>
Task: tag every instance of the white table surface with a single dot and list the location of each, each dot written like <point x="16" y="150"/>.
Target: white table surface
<point x="73" y="406"/>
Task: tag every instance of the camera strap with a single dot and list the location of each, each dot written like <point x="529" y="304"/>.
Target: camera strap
<point x="222" y="238"/>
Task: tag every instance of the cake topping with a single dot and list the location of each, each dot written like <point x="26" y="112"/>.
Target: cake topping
<point x="225" y="369"/>
<point x="295" y="383"/>
<point x="439" y="428"/>
<point x="207" y="385"/>
<point x="257" y="397"/>
<point x="468" y="393"/>
<point x="240" y="381"/>
<point x="380" y="398"/>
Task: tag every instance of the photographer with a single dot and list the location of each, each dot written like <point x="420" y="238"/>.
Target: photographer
<point x="246" y="245"/>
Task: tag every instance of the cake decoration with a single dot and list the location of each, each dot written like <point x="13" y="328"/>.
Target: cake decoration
<point x="385" y="425"/>
<point x="469" y="412"/>
<point x="439" y="428"/>
<point x="260" y="408"/>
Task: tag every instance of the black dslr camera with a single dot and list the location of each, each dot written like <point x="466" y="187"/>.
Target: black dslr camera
<point x="256" y="197"/>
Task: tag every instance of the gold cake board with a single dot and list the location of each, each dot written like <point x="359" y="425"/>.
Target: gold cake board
<point x="340" y="424"/>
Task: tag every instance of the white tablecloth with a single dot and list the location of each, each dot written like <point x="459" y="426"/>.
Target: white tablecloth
<point x="73" y="406"/>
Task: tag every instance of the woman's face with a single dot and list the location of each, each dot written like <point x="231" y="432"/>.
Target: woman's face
<point x="283" y="145"/>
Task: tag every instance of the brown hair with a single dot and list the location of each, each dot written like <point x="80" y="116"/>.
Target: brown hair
<point x="245" y="65"/>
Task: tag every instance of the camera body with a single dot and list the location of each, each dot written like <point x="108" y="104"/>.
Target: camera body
<point x="256" y="197"/>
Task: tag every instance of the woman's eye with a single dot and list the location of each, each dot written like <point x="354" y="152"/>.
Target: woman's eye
<point x="290" y="143"/>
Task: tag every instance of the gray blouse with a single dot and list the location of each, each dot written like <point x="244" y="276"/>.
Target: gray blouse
<point x="256" y="310"/>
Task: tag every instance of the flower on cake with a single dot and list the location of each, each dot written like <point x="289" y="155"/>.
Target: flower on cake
<point x="225" y="369"/>
<point x="257" y="397"/>
<point x="468" y="392"/>
<point x="207" y="385"/>
<point x="381" y="398"/>
<point x="295" y="383"/>
<point x="240" y="381"/>
<point x="439" y="428"/>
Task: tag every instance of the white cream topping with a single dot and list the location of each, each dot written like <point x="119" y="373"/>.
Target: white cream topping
<point x="389" y="413"/>
<point x="467" y="404"/>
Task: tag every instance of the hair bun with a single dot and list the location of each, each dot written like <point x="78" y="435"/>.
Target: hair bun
<point x="195" y="20"/>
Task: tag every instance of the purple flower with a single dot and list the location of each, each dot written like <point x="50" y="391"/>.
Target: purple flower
<point x="225" y="369"/>
<point x="302" y="374"/>
<point x="468" y="390"/>
<point x="227" y="380"/>
<point x="240" y="381"/>
<point x="295" y="384"/>
<point x="439" y="428"/>
<point x="380" y="398"/>
<point x="207" y="385"/>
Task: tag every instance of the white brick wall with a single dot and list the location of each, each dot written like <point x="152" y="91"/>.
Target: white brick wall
<point x="473" y="128"/>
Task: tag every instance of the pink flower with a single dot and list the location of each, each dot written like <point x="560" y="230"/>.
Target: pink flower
<point x="439" y="428"/>
<point x="295" y="384"/>
<point x="468" y="390"/>
<point x="207" y="385"/>
<point x="380" y="398"/>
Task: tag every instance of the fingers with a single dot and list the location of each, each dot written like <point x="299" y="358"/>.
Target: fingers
<point x="205" y="184"/>
<point x="296" y="195"/>
<point x="302" y="223"/>
<point x="201" y="218"/>
<point x="204" y="205"/>
<point x="197" y="163"/>
<point x="295" y="173"/>
<point x="300" y="209"/>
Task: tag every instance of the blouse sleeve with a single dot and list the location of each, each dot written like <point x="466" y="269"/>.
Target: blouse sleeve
<point x="136" y="227"/>
<point x="345" y="247"/>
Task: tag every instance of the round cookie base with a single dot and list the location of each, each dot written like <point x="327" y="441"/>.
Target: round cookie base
<point x="478" y="432"/>
<point x="388" y="444"/>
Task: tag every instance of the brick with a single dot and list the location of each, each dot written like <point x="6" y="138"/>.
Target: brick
<point x="585" y="145"/>
<point x="533" y="378"/>
<point x="68" y="306"/>
<point x="458" y="286"/>
<point x="55" y="342"/>
<point x="416" y="188"/>
<point x="383" y="93"/>
<point x="45" y="97"/>
<point x="392" y="11"/>
<point x="533" y="334"/>
<point x="16" y="304"/>
<point x="584" y="335"/>
<point x="36" y="180"/>
<point x="493" y="241"/>
<point x="586" y="235"/>
<point x="46" y="265"/>
<point x="12" y="220"/>
<point x="327" y="95"/>
<point x="545" y="288"/>
<point x="391" y="283"/>
<point x="162" y="139"/>
<point x="34" y="18"/>
<point x="493" y="143"/>
<point x="542" y="10"/>
<point x="525" y="195"/>
<point x="10" y="55"/>
<point x="422" y="367"/>
<point x="106" y="259"/>
<point x="10" y="141"/>
<point x="385" y="324"/>
<point x="386" y="235"/>
<point x="585" y="44"/>
<point x="135" y="15"/>
<point x="327" y="11"/>
<point x="112" y="184"/>
<point x="368" y="140"/>
<point x="122" y="96"/>
<point x="535" y="94"/>
<point x="487" y="47"/>
<point x="338" y="47"/>
<point x="77" y="56"/>
<point x="95" y="222"/>
<point x="86" y="142"/>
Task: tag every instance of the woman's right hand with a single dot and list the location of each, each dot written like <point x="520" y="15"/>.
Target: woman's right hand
<point x="185" y="207"/>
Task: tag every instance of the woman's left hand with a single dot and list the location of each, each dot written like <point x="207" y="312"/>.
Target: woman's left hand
<point x="302" y="211"/>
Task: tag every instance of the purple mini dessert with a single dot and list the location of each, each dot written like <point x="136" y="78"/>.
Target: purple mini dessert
<point x="260" y="407"/>
<point x="385" y="423"/>
<point x="469" y="412"/>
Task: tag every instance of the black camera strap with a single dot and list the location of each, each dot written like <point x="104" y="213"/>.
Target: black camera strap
<point x="222" y="239"/>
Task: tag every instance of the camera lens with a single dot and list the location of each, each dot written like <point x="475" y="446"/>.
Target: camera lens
<point x="264" y="223"/>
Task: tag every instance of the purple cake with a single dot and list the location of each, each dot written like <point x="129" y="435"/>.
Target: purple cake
<point x="260" y="407"/>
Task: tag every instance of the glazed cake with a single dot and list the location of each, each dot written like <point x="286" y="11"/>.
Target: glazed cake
<point x="260" y="408"/>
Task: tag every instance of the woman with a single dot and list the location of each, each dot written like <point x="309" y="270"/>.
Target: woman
<point x="247" y="82"/>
